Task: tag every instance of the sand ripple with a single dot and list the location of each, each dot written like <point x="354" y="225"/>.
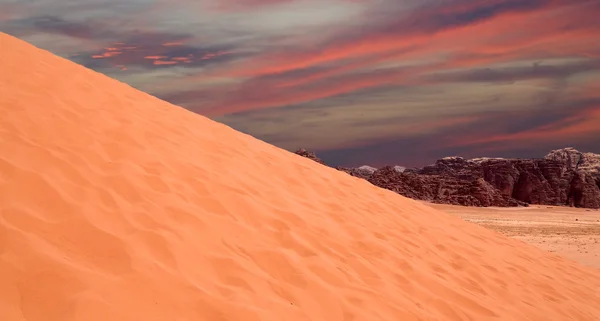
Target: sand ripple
<point x="115" y="205"/>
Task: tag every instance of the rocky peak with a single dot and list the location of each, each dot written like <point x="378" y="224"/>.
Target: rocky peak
<point x="576" y="160"/>
<point x="571" y="157"/>
<point x="399" y="169"/>
<point x="454" y="165"/>
<point x="480" y="160"/>
<point x="303" y="152"/>
<point x="364" y="171"/>
<point x="368" y="170"/>
<point x="590" y="163"/>
<point x="450" y="161"/>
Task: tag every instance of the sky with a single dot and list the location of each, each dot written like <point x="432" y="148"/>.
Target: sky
<point x="373" y="82"/>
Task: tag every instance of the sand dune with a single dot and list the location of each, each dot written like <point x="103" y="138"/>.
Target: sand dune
<point x="116" y="205"/>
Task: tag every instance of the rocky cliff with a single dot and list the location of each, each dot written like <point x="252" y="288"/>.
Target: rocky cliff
<point x="564" y="177"/>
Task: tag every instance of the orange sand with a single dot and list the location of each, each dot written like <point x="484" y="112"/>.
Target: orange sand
<point x="116" y="205"/>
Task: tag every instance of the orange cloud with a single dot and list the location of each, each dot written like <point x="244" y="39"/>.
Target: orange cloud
<point x="527" y="31"/>
<point x="532" y="35"/>
<point x="215" y="54"/>
<point x="182" y="59"/>
<point x="171" y="44"/>
<point x="244" y="98"/>
<point x="107" y="54"/>
<point x="155" y="57"/>
<point x="162" y="62"/>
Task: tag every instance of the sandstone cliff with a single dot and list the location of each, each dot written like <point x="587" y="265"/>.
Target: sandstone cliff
<point x="563" y="177"/>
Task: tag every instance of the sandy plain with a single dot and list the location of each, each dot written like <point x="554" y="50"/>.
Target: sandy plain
<point x="115" y="205"/>
<point x="571" y="232"/>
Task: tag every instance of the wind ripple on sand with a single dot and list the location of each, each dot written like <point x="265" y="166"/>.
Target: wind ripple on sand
<point x="118" y="206"/>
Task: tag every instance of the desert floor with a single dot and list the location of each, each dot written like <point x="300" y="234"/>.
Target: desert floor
<point x="571" y="232"/>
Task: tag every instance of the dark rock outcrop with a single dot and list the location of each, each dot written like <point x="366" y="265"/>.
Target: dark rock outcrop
<point x="303" y="152"/>
<point x="441" y="188"/>
<point x="361" y="172"/>
<point x="564" y="177"/>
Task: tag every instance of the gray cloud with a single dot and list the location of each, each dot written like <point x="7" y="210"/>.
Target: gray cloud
<point x="535" y="71"/>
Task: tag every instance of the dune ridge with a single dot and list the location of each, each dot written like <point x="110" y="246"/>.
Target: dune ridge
<point x="115" y="205"/>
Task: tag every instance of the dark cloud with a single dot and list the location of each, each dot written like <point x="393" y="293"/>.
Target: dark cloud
<point x="425" y="149"/>
<point x="137" y="47"/>
<point x="50" y="24"/>
<point x="535" y="71"/>
<point x="430" y="17"/>
<point x="408" y="151"/>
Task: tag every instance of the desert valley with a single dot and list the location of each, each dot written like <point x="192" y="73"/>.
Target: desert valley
<point x="570" y="232"/>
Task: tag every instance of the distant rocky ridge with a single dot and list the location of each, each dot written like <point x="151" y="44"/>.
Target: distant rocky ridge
<point x="564" y="177"/>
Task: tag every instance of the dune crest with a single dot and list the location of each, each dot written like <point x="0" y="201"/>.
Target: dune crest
<point x="115" y="205"/>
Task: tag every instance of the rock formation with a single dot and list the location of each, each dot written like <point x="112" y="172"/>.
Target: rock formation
<point x="564" y="177"/>
<point x="364" y="171"/>
<point x="303" y="152"/>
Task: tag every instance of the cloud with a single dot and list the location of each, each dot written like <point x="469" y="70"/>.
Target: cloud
<point x="147" y="50"/>
<point x="347" y="77"/>
<point x="57" y="25"/>
<point x="577" y="122"/>
<point x="260" y="93"/>
<point x="128" y="48"/>
<point x="399" y="30"/>
<point x="497" y="134"/>
<point x="537" y="70"/>
<point x="235" y="5"/>
<point x="245" y="5"/>
<point x="296" y="75"/>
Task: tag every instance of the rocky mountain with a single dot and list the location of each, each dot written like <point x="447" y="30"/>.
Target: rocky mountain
<point x="564" y="177"/>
